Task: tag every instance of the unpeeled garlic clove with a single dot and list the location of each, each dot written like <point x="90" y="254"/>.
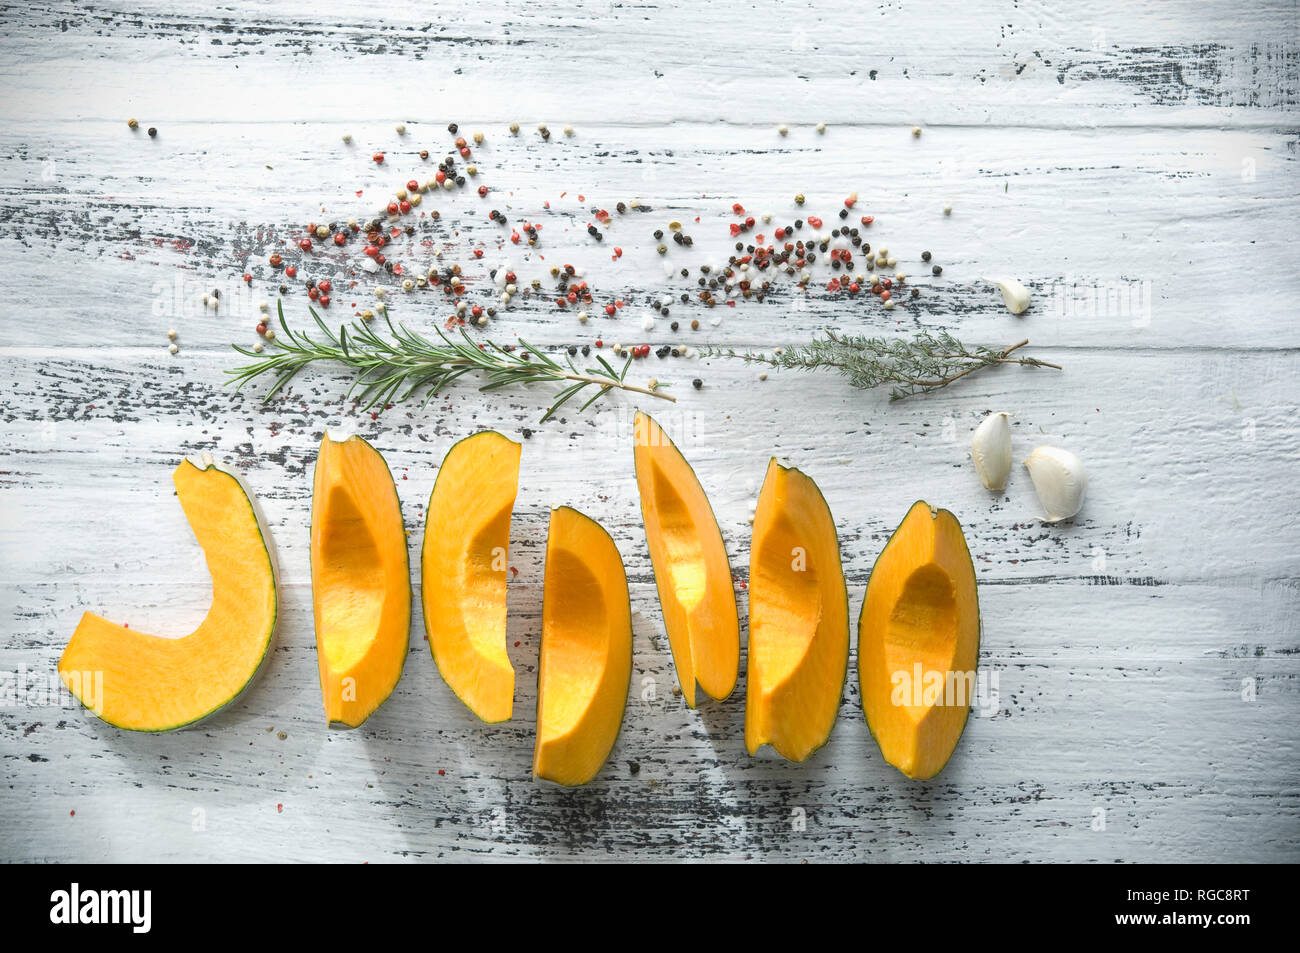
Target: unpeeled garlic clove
<point x="991" y="451"/>
<point x="1059" y="480"/>
<point x="1014" y="295"/>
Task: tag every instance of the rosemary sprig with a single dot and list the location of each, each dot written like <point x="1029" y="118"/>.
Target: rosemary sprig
<point x="924" y="363"/>
<point x="391" y="369"/>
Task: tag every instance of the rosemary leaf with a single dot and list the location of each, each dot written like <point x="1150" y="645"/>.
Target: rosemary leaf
<point x="391" y="369"/>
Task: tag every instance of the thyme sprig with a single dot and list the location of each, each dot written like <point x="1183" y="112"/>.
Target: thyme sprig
<point x="391" y="369"/>
<point x="923" y="363"/>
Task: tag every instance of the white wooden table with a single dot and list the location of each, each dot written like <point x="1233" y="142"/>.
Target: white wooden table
<point x="1145" y="653"/>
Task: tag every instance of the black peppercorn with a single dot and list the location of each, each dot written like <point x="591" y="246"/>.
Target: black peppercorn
<point x="153" y="132"/>
<point x="925" y="256"/>
<point x="937" y="270"/>
<point x="697" y="383"/>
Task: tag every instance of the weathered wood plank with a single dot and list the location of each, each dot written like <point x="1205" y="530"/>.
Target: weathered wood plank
<point x="1129" y="238"/>
<point x="767" y="62"/>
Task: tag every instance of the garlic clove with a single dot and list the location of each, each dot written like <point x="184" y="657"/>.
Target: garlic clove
<point x="991" y="451"/>
<point x="1059" y="480"/>
<point x="1014" y="295"/>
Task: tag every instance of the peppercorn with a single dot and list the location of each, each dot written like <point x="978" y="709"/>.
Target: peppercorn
<point x="153" y="132"/>
<point x="697" y="383"/>
<point x="514" y="128"/>
<point x="937" y="270"/>
<point x="673" y="325"/>
<point x="132" y="124"/>
<point x="925" y="256"/>
<point x="659" y="233"/>
<point x="799" y="199"/>
<point x="916" y="292"/>
<point x="424" y="153"/>
<point x="695" y="324"/>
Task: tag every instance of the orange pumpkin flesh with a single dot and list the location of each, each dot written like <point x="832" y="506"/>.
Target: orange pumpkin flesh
<point x="690" y="563"/>
<point x="798" y="618"/>
<point x="920" y="618"/>
<point x="585" y="669"/>
<point x="148" y="683"/>
<point x="463" y="571"/>
<point x="361" y="586"/>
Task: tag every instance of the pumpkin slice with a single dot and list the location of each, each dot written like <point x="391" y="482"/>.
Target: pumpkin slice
<point x="586" y="659"/>
<point x="798" y="618"/>
<point x="463" y="571"/>
<point x="360" y="580"/>
<point x="148" y="683"/>
<point x="690" y="564"/>
<point x="918" y="642"/>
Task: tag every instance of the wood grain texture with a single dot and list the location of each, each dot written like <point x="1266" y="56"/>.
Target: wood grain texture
<point x="1136" y="167"/>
